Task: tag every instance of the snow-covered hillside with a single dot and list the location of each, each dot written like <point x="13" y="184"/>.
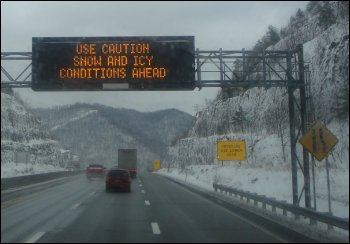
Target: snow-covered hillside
<point x="22" y="134"/>
<point x="327" y="55"/>
<point x="260" y="117"/>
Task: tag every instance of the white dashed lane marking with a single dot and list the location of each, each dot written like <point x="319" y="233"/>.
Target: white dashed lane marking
<point x="143" y="191"/>
<point x="147" y="202"/>
<point x="75" y="206"/>
<point x="35" y="237"/>
<point x="155" y="228"/>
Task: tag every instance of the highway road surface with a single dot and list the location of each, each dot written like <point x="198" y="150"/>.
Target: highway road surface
<point x="156" y="210"/>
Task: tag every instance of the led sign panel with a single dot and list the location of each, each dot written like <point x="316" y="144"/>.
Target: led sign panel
<point x="113" y="63"/>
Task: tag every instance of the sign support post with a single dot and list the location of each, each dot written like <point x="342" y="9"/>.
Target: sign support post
<point x="319" y="141"/>
<point x="328" y="187"/>
<point x="329" y="192"/>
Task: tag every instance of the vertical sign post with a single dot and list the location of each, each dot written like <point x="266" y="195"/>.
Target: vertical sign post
<point x="319" y="141"/>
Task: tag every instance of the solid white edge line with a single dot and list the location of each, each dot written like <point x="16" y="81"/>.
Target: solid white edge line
<point x="155" y="228"/>
<point x="260" y="227"/>
<point x="35" y="237"/>
<point x="147" y="202"/>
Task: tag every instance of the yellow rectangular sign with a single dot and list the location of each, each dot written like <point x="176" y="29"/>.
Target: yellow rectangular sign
<point x="231" y="150"/>
<point x="156" y="164"/>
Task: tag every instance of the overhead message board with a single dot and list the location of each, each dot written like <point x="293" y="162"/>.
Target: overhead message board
<point x="113" y="63"/>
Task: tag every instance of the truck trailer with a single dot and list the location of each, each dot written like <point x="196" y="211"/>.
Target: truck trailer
<point x="127" y="159"/>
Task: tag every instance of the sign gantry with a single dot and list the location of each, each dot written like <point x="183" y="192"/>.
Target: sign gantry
<point x="164" y="63"/>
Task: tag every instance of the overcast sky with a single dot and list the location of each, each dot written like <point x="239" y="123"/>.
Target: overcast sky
<point x="226" y="25"/>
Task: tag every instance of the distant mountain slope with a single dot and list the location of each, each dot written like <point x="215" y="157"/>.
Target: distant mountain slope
<point x="95" y="132"/>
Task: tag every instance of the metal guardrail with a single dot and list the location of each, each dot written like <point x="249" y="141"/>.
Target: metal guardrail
<point x="313" y="215"/>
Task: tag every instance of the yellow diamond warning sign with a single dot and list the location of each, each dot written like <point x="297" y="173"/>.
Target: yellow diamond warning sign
<point x="319" y="141"/>
<point x="231" y="150"/>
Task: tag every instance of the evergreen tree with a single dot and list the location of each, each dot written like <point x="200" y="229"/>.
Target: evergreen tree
<point x="299" y="15"/>
<point x="343" y="7"/>
<point x="273" y="35"/>
<point x="283" y="33"/>
<point x="7" y="90"/>
<point x="313" y="7"/>
<point x="292" y="20"/>
<point x="259" y="46"/>
<point x="326" y="17"/>
<point x="342" y="103"/>
<point x="238" y="120"/>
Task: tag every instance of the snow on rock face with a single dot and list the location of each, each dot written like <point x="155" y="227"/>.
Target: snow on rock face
<point x="260" y="112"/>
<point x="261" y="151"/>
<point x="327" y="55"/>
<point x="329" y="71"/>
<point x="256" y="115"/>
<point x="21" y="133"/>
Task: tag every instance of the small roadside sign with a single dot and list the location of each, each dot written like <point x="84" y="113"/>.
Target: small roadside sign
<point x="231" y="150"/>
<point x="318" y="140"/>
<point x="156" y="164"/>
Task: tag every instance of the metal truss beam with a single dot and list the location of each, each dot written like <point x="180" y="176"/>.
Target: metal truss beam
<point x="233" y="69"/>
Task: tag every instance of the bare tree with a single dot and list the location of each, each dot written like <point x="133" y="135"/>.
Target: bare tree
<point x="276" y="119"/>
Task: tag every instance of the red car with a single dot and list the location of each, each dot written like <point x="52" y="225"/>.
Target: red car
<point x="118" y="179"/>
<point x="95" y="171"/>
<point x="133" y="173"/>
